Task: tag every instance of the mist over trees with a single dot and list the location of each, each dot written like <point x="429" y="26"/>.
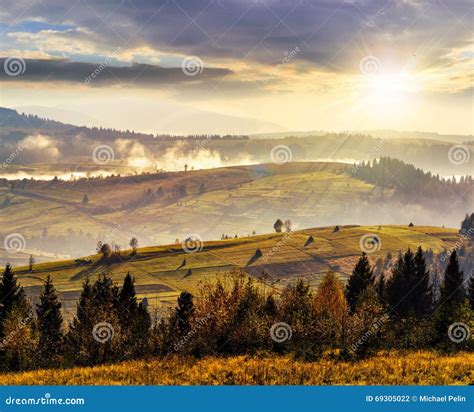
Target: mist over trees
<point x="408" y="180"/>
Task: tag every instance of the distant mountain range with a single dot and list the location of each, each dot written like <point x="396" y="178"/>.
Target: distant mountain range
<point x="155" y="118"/>
<point x="35" y="117"/>
<point x="384" y="134"/>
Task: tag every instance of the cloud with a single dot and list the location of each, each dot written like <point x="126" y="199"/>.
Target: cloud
<point x="63" y="70"/>
<point x="332" y="34"/>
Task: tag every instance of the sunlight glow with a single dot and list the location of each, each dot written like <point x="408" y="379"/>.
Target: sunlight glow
<point x="391" y="89"/>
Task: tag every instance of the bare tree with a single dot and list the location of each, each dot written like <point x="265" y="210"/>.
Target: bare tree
<point x="31" y="262"/>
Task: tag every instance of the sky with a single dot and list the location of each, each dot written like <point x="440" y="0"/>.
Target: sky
<point x="242" y="65"/>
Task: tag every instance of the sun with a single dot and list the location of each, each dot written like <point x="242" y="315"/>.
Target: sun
<point x="390" y="89"/>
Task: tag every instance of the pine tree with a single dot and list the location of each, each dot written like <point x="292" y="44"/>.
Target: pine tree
<point x="399" y="287"/>
<point x="105" y="294"/>
<point x="184" y="312"/>
<point x="453" y="287"/>
<point x="360" y="279"/>
<point x="270" y="307"/>
<point x="96" y="331"/>
<point x="50" y="322"/>
<point x="142" y="321"/>
<point x="12" y="296"/>
<point x="127" y="303"/>
<point x="421" y="290"/>
<point x="80" y="336"/>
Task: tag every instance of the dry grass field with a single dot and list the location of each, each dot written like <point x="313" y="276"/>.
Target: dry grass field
<point x="386" y="368"/>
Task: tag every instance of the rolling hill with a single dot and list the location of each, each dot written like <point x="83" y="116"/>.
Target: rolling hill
<point x="162" y="272"/>
<point x="53" y="220"/>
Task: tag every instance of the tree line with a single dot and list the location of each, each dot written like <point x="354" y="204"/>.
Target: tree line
<point x="409" y="179"/>
<point x="238" y="315"/>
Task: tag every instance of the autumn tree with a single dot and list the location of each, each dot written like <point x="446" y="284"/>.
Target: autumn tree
<point x="331" y="311"/>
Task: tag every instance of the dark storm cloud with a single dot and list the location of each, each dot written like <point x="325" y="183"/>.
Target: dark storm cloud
<point x="102" y="74"/>
<point x="331" y="33"/>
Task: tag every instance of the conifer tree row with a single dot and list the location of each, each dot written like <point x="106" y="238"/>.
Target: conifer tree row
<point x="396" y="309"/>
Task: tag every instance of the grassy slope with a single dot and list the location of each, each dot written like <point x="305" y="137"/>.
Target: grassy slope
<point x="389" y="368"/>
<point x="236" y="200"/>
<point x="284" y="258"/>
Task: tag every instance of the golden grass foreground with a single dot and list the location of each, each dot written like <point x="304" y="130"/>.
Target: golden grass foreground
<point x="386" y="368"/>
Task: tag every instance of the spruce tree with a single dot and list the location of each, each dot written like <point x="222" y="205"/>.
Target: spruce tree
<point x="360" y="279"/>
<point x="142" y="322"/>
<point x="50" y="322"/>
<point x="127" y="303"/>
<point x="80" y="336"/>
<point x="105" y="294"/>
<point x="399" y="287"/>
<point x="184" y="312"/>
<point x="421" y="290"/>
<point x="12" y="296"/>
<point x="453" y="287"/>
<point x="270" y="307"/>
